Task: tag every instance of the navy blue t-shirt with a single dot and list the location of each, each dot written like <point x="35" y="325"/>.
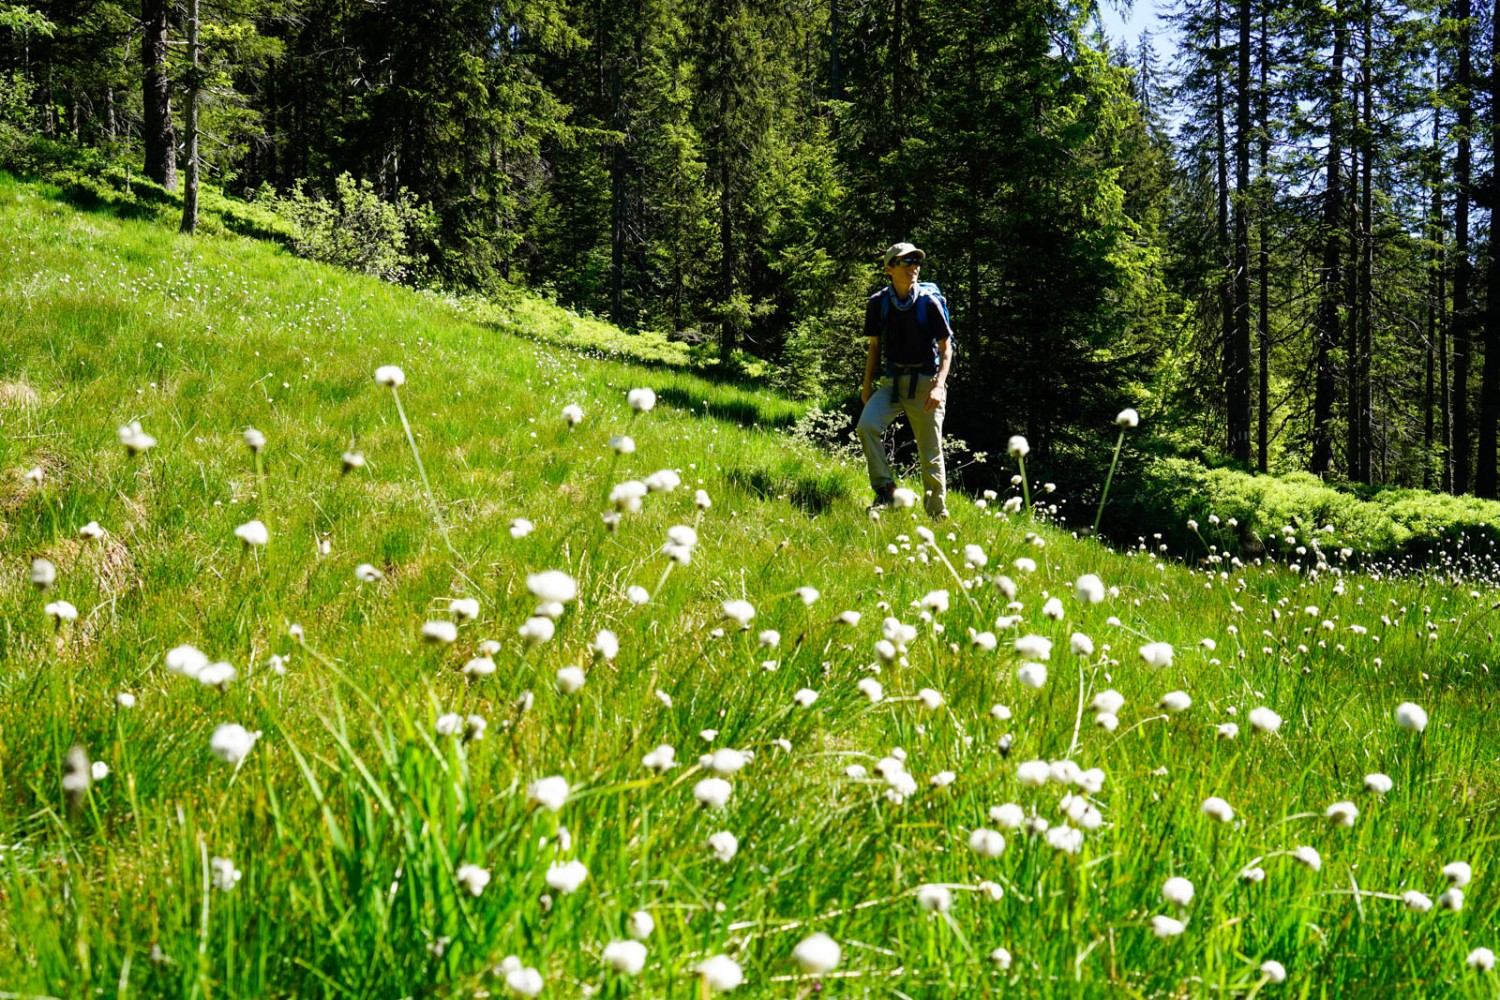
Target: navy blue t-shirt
<point x="902" y="338"/>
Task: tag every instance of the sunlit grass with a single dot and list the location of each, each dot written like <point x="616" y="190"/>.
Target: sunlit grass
<point x="351" y="819"/>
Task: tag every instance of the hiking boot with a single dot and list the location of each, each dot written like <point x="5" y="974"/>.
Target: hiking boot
<point x="884" y="495"/>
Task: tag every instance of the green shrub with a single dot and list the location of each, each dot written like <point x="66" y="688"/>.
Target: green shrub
<point x="359" y="230"/>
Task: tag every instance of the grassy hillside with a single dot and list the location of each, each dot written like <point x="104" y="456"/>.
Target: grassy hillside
<point x="341" y="853"/>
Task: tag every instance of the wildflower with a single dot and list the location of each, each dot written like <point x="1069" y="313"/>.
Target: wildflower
<point x="91" y="531"/>
<point x="739" y="611"/>
<point x="365" y="573"/>
<point x="549" y="793"/>
<point x="525" y="982"/>
<point x="934" y="897"/>
<point x="637" y="595"/>
<point x="974" y="556"/>
<point x="1008" y="816"/>
<point x="1033" y="675"/>
<point x="985" y="641"/>
<point x="1033" y="773"/>
<point x="1177" y="890"/>
<point x="61" y="611"/>
<point x="1273" y="970"/>
<point x="1309" y="857"/>
<point x="850" y="618"/>
<point x="1017" y="447"/>
<point x="1263" y="720"/>
<point x="903" y="498"/>
<point x="1065" y="838"/>
<point x="622" y="444"/>
<point x="663" y="481"/>
<point x="1157" y="654"/>
<point x="660" y="760"/>
<point x="1378" y="783"/>
<point x="720" y="973"/>
<point x="479" y="666"/>
<point x="254" y="440"/>
<point x="232" y="742"/>
<point x="1089" y="589"/>
<point x="225" y="875"/>
<point x="99" y="770"/>
<point x="440" y="633"/>
<point x="625" y="957"/>
<point x="135" y="440"/>
<point x="567" y="876"/>
<point x="701" y="500"/>
<point x="725" y="845"/>
<point x="641" y="400"/>
<point x="1451" y="900"/>
<point x="1175" y="701"/>
<point x="1092" y="780"/>
<point x="570" y="680"/>
<point x="1108" y="721"/>
<point x="1167" y="927"/>
<point x="1342" y="814"/>
<point x="1415" y="901"/>
<point x="1000" y="712"/>
<point x="1053" y="609"/>
<point x="537" y="629"/>
<point x="805" y="697"/>
<point x="1410" y="716"/>
<point x="1458" y="873"/>
<point x="1034" y="647"/>
<point x="930" y="699"/>
<point x="942" y="779"/>
<point x="553" y="585"/>
<point x="1229" y="731"/>
<point x="1001" y="958"/>
<point x="769" y="638"/>
<point x="936" y="601"/>
<point x="573" y="414"/>
<point x="1216" y="808"/>
<point x="253" y="533"/>
<point x="125" y="699"/>
<point x="217" y="675"/>
<point x="986" y="843"/>
<point x="449" y="724"/>
<point x="472" y="878"/>
<point x="817" y="954"/>
<point x="1253" y="874"/>
<point x="390" y="375"/>
<point x="1025" y="565"/>
<point x="465" y="609"/>
<point x="1110" y="701"/>
<point x="713" y="792"/>
<point x="1482" y="959"/>
<point x="871" y="689"/>
<point x="640" y="925"/>
<point x="352" y="460"/>
<point x="1128" y="418"/>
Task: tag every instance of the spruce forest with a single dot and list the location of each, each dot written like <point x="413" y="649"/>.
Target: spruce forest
<point x="1275" y="241"/>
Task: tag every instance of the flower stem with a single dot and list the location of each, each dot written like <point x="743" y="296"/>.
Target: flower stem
<point x="437" y="512"/>
<point x="1120" y="441"/>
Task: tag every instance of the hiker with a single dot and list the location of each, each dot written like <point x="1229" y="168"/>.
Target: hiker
<point x="908" y="319"/>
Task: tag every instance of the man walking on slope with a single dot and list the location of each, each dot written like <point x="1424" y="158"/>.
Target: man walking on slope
<point x="909" y="319"/>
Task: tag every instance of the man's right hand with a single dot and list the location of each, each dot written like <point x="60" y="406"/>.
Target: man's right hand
<point x="865" y="392"/>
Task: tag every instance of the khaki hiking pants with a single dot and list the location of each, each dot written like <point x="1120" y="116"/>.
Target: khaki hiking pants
<point x="884" y="406"/>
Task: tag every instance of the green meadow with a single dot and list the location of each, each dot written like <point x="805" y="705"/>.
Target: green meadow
<point x="454" y="601"/>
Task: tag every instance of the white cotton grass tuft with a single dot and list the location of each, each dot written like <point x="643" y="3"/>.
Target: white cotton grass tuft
<point x="390" y="375"/>
<point x="1417" y="902"/>
<point x="986" y="843"/>
<point x="805" y="697"/>
<point x="523" y="981"/>
<point x="537" y="629"/>
<point x="903" y="498"/>
<point x="548" y="793"/>
<point x="1167" y="927"/>
<point x="720" y="973"/>
<point x="724" y="845"/>
<point x="606" y="645"/>
<point x="1411" y="716"/>
<point x="872" y="689"/>
<point x="1342" y="814"/>
<point x="225" y="875"/>
<point x="1308" y="857"/>
<point x="552" y="585"/>
<point x="1089" y="589"/>
<point x="1217" y="808"/>
<point x="1177" y="890"/>
<point x="641" y="400"/>
<point x="479" y="666"/>
<point x="573" y="414"/>
<point x="472" y="878"/>
<point x="570" y="680"/>
<point x="1017" y="446"/>
<point x="713" y="792"/>
<point x="931" y="699"/>
<point x="465" y="609"/>
<point x="232" y="742"/>
<point x="640" y="924"/>
<point x="366" y="573"/>
<point x="1034" y="647"/>
<point x="817" y="954"/>
<point x="1128" y="418"/>
<point x="663" y="481"/>
<point x="520" y="527"/>
<point x="1157" y="654"/>
<point x="135" y="440"/>
<point x="622" y="444"/>
<point x="91" y="531"/>
<point x="61" y="611"/>
<point x="1273" y="970"/>
<point x="807" y="595"/>
<point x="1458" y="873"/>
<point x="1175" y="701"/>
<point x="1109" y="700"/>
<point x="934" y="897"/>
<point x="1053" y="609"/>
<point x="1452" y="900"/>
<point x="1033" y="773"/>
<point x="935" y="601"/>
<point x="254" y="440"/>
<point x="1032" y="675"/>
<point x="566" y="876"/>
<point x="440" y="632"/>
<point x="625" y="957"/>
<point x="1482" y="959"/>
<point x="1378" y="784"/>
<point x="1264" y="720"/>
<point x="660" y="760"/>
<point x="738" y="611"/>
<point x="253" y="534"/>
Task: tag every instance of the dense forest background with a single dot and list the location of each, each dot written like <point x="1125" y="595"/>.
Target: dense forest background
<point x="1276" y="244"/>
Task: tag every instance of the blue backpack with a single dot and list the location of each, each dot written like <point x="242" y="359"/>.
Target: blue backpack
<point x="925" y="290"/>
<point x="907" y="356"/>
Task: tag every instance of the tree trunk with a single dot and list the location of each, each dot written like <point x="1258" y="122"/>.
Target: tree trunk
<point x="1326" y="329"/>
<point x="1239" y="374"/>
<point x="835" y="72"/>
<point x="1365" y="415"/>
<point x="190" y="125"/>
<point x="156" y="92"/>
<point x="1489" y="392"/>
<point x="1462" y="268"/>
<point x="1263" y="318"/>
<point x="1226" y="248"/>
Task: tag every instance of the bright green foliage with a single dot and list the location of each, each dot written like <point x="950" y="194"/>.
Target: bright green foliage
<point x="356" y="229"/>
<point x="350" y="818"/>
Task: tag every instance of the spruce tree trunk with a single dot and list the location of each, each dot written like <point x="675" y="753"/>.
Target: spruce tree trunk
<point x="1264" y="210"/>
<point x="1239" y="371"/>
<point x="1225" y="245"/>
<point x="190" y="125"/>
<point x="1326" y="329"/>
<point x="1365" y="415"/>
<point x="1462" y="268"/>
<point x="156" y="92"/>
<point x="1489" y="392"/>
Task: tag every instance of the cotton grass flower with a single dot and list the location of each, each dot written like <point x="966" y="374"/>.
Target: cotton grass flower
<point x="1417" y="902"/>
<point x="936" y="601"/>
<point x="805" y="697"/>
<point x="1034" y="647"/>
<point x="986" y="843"/>
<point x="807" y="595"/>
<point x="975" y="556"/>
<point x="1053" y="609"/>
<point x="660" y="760"/>
<point x="1342" y="814"/>
<point x="135" y="440"/>
<point x="524" y="981"/>
<point x="567" y="876"/>
<point x="1167" y="927"/>
<point x="622" y="444"/>
<point x="639" y="925"/>
<point x="548" y="793"/>
<point x="637" y="595"/>
<point x="738" y="611"/>
<point x="1157" y="654"/>
<point x="472" y="878"/>
<point x="713" y="792"/>
<point x="724" y="845"/>
<point x="1411" y="716"/>
<point x="871" y="689"/>
<point x="253" y="533"/>
<point x="390" y="375"/>
<point x="1309" y="857"/>
<point x="465" y="609"/>
<point x="570" y="680"/>
<point x="1108" y="700"/>
<point x="232" y="742"/>
<point x="625" y="957"/>
<point x="903" y="498"/>
<point x="1175" y="701"/>
<point x="663" y="481"/>
<point x="1033" y="675"/>
<point x="440" y="633"/>
<point x="573" y="414"/>
<point x="1458" y="873"/>
<point x="1451" y="900"/>
<point x="817" y="954"/>
<point x="225" y="875"/>
<point x="641" y="400"/>
<point x="1273" y="970"/>
<point x="552" y="585"/>
<point x="1017" y="447"/>
<point x="479" y="666"/>
<point x="91" y="531"/>
<point x="1089" y="589"/>
<point x="1482" y="959"/>
<point x="1177" y="890"/>
<point x="934" y="897"/>
<point x="1263" y="720"/>
<point x="1216" y="808"/>
<point x="720" y="973"/>
<point x="931" y="699"/>
<point x="366" y="573"/>
<point x="254" y="440"/>
<point x="1033" y="773"/>
<point x="1128" y="418"/>
<point x="1378" y="784"/>
<point x="61" y="611"/>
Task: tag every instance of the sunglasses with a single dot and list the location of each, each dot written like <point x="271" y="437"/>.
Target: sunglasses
<point x="907" y="262"/>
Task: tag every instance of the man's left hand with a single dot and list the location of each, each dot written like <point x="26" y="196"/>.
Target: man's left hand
<point x="936" y="396"/>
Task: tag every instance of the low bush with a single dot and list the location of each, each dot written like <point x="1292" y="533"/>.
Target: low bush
<point x="356" y="229"/>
